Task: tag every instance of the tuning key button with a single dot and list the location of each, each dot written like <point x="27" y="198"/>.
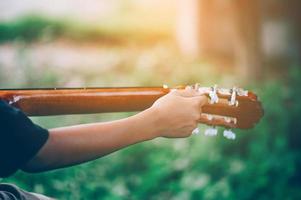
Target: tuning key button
<point x="211" y="131"/>
<point x="229" y="134"/>
<point x="196" y="131"/>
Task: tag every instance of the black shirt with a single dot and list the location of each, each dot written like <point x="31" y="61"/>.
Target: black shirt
<point x="20" y="139"/>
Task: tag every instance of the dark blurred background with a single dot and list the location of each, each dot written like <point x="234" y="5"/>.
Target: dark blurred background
<point x="253" y="44"/>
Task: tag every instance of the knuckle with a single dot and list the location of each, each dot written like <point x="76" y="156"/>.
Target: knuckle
<point x="174" y="91"/>
<point x="203" y="100"/>
<point x="196" y="115"/>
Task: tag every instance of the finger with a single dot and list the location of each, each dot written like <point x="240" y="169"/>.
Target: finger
<point x="187" y="92"/>
<point x="188" y="87"/>
<point x="201" y="100"/>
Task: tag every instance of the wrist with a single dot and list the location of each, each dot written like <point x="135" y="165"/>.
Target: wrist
<point x="150" y="123"/>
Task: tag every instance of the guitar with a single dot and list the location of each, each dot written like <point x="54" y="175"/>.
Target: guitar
<point x="229" y="108"/>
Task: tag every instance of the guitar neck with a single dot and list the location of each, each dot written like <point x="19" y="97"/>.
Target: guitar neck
<point x="231" y="107"/>
<point x="42" y="102"/>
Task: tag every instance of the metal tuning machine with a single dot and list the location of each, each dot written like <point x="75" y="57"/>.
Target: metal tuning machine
<point x="213" y="95"/>
<point x="229" y="134"/>
<point x="230" y="120"/>
<point x="233" y="101"/>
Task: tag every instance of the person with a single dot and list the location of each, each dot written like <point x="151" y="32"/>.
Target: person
<point x="31" y="148"/>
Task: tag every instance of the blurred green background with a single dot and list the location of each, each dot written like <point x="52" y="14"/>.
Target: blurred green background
<point x="253" y="44"/>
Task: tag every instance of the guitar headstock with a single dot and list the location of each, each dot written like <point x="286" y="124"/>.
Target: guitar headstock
<point x="230" y="108"/>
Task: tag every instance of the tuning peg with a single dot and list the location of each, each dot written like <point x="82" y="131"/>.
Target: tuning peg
<point x="211" y="131"/>
<point x="229" y="134"/>
<point x="213" y="95"/>
<point x="233" y="101"/>
<point x="196" y="131"/>
<point x="227" y="119"/>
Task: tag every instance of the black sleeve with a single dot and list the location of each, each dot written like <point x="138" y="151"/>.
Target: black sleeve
<point x="20" y="139"/>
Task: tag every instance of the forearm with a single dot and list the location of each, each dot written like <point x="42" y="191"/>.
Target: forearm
<point x="77" y="144"/>
<point x="174" y="115"/>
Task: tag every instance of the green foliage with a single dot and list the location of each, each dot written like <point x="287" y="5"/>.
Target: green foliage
<point x="30" y="28"/>
<point x="36" y="28"/>
<point x="261" y="164"/>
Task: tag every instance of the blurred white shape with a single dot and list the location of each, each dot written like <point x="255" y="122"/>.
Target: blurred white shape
<point x="227" y="119"/>
<point x="196" y="131"/>
<point x="211" y="131"/>
<point x="213" y="95"/>
<point x="229" y="134"/>
<point x="242" y="92"/>
<point x="209" y="117"/>
<point x="232" y="101"/>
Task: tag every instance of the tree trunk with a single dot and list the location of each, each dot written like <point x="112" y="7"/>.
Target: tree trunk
<point x="188" y="27"/>
<point x="247" y="47"/>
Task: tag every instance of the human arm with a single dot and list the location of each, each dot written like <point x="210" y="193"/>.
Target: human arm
<point x="174" y="115"/>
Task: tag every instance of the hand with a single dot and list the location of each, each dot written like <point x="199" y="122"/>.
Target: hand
<point x="178" y="112"/>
